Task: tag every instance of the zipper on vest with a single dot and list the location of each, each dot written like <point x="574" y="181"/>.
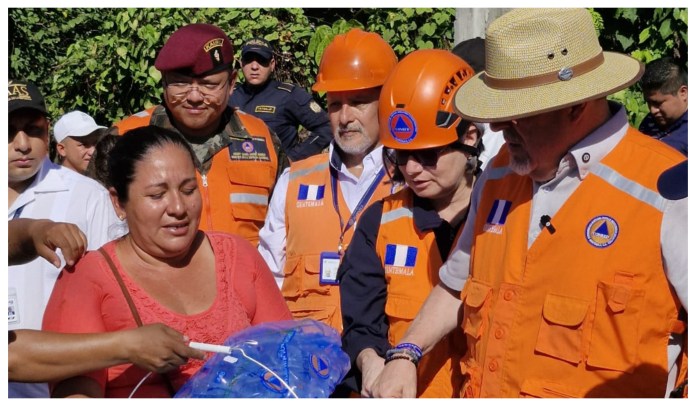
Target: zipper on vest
<point x="206" y="200"/>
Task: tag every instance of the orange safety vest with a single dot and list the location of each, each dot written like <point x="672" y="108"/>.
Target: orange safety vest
<point x="585" y="311"/>
<point x="235" y="192"/>
<point x="411" y="263"/>
<point x="312" y="227"/>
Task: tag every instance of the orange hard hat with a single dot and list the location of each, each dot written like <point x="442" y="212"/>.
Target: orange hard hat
<point x="355" y="60"/>
<point x="416" y="105"/>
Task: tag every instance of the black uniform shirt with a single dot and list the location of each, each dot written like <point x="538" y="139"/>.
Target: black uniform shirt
<point x="284" y="107"/>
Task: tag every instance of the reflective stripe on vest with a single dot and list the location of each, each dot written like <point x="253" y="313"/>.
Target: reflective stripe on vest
<point x="630" y="187"/>
<point x="261" y="200"/>
<point x="397" y="214"/>
<point x="304" y="172"/>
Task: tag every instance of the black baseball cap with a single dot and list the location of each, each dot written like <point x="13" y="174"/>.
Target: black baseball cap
<point x="258" y="46"/>
<point x="25" y="95"/>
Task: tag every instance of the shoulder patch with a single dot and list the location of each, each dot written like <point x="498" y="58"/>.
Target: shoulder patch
<point x="314" y="107"/>
<point x="286" y="86"/>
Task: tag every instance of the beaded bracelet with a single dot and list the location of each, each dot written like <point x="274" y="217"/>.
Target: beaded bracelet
<point x="412" y="347"/>
<point x="400" y="356"/>
<point x="402" y="353"/>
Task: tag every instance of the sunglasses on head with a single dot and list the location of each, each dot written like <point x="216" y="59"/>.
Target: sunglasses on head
<point x="426" y="157"/>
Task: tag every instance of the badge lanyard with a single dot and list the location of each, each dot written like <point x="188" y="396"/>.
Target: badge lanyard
<point x="361" y="204"/>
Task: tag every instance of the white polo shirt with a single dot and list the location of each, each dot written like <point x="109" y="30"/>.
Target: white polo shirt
<point x="61" y="195"/>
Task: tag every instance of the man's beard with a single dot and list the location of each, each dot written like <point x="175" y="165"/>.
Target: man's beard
<point x="364" y="145"/>
<point x="521" y="167"/>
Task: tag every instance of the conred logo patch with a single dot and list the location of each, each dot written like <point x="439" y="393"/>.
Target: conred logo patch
<point x="602" y="231"/>
<point x="402" y="126"/>
<point x="248" y="147"/>
<point x="272" y="382"/>
<point x="320" y="366"/>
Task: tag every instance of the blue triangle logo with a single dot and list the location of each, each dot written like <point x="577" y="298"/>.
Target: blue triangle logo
<point x="401" y="125"/>
<point x="603" y="229"/>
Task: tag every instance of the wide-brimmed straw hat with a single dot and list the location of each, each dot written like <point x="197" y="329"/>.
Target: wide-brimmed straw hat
<point x="539" y="60"/>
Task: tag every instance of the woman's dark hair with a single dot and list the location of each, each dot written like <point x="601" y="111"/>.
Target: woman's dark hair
<point x="132" y="148"/>
<point x="98" y="167"/>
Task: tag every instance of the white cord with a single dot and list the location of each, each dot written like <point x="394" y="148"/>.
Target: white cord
<point x="138" y="385"/>
<point x="292" y="392"/>
<point x="224" y="350"/>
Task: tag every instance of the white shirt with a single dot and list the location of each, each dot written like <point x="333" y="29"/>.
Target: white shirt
<point x="62" y="195"/>
<point x="272" y="237"/>
<point x="492" y="141"/>
<point x="549" y="197"/>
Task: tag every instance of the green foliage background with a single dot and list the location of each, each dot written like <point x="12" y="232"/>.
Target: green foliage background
<point x="100" y="60"/>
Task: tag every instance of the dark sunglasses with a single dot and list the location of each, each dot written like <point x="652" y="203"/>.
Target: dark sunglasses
<point x="252" y="56"/>
<point x="426" y="157"/>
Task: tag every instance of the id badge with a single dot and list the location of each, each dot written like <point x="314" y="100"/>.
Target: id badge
<point x="12" y="307"/>
<point x="328" y="268"/>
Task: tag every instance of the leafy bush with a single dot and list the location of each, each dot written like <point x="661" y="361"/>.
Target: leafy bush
<point x="101" y="60"/>
<point x="646" y="34"/>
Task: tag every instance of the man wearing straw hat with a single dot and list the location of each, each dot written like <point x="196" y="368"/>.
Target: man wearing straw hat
<point x="572" y="269"/>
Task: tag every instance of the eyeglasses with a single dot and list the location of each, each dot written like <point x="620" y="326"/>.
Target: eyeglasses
<point x="426" y="157"/>
<point x="180" y="88"/>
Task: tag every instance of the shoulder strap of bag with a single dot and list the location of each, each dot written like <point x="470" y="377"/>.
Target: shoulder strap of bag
<point x="133" y="309"/>
<point x="127" y="295"/>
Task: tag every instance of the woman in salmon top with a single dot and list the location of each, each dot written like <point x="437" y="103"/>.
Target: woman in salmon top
<point x="206" y="285"/>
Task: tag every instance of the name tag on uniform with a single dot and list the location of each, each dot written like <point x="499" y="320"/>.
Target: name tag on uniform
<point x="328" y="268"/>
<point x="252" y="149"/>
<point x="265" y="109"/>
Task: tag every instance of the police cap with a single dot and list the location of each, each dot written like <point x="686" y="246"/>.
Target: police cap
<point x="197" y="50"/>
<point x="258" y="46"/>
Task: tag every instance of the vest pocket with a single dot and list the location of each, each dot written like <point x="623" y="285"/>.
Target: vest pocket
<point x="614" y="342"/>
<point x="326" y="314"/>
<point x="560" y="332"/>
<point x="302" y="277"/>
<point x="476" y="307"/>
<point x="249" y="193"/>
<point x="536" y="388"/>
<point x="254" y="173"/>
<point x="248" y="211"/>
<point x="472" y="378"/>
<point x="402" y="307"/>
<point x="294" y="273"/>
<point x="401" y="311"/>
<point x="310" y="277"/>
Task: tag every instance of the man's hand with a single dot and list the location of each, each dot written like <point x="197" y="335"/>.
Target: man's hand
<point x="397" y="380"/>
<point x="29" y="238"/>
<point x="158" y="348"/>
<point x="370" y="364"/>
<point x="48" y="236"/>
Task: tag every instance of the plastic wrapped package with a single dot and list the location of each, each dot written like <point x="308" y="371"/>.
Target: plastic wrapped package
<point x="286" y="359"/>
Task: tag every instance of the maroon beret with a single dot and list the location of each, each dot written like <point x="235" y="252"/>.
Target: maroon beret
<point x="198" y="49"/>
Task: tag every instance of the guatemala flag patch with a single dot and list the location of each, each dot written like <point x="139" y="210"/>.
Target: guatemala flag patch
<point x="310" y="195"/>
<point x="400" y="259"/>
<point x="497" y="216"/>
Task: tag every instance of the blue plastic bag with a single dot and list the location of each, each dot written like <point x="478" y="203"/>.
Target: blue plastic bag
<point x="286" y="359"/>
